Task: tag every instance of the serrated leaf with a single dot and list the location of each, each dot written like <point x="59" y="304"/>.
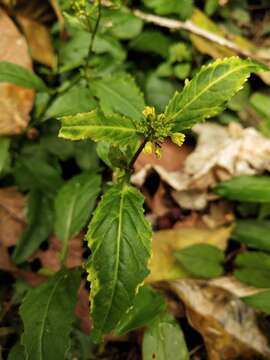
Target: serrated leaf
<point x="254" y="233"/>
<point x="39" y="226"/>
<point x="35" y="173"/>
<point x="113" y="129"/>
<point x="253" y="268"/>
<point x="21" y="76"/>
<point x="207" y="93"/>
<point x="120" y="234"/>
<point x="260" y="301"/>
<point x="148" y="305"/>
<point x="73" y="206"/>
<point x="47" y="314"/>
<point x="164" y="340"/>
<point x="119" y="93"/>
<point x="245" y="188"/>
<point x="202" y="260"/>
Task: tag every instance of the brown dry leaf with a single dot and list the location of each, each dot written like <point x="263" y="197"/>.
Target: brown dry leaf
<point x="39" y="40"/>
<point x="15" y="102"/>
<point x="50" y="258"/>
<point x="228" y="326"/>
<point x="82" y="309"/>
<point x="163" y="265"/>
<point x="12" y="221"/>
<point x="58" y="13"/>
<point x="221" y="153"/>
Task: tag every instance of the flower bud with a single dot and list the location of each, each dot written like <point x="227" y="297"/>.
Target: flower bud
<point x="158" y="152"/>
<point x="149" y="111"/>
<point x="148" y="148"/>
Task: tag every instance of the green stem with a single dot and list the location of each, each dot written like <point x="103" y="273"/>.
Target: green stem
<point x="135" y="157"/>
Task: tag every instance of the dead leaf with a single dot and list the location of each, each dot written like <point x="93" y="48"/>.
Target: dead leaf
<point x="82" y="309"/>
<point x="163" y="265"/>
<point x="39" y="40"/>
<point x="228" y="326"/>
<point x="12" y="221"/>
<point x="15" y="102"/>
<point x="50" y="258"/>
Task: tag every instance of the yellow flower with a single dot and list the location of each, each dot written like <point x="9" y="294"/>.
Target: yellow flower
<point x="148" y="148"/>
<point x="149" y="111"/>
<point x="178" y="138"/>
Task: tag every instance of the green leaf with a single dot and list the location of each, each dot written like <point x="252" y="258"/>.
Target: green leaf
<point x="253" y="268"/>
<point x="119" y="93"/>
<point x="202" y="260"/>
<point x="17" y="352"/>
<point x="259" y="102"/>
<point x="39" y="226"/>
<point x="148" y="305"/>
<point x="21" y="76"/>
<point x="182" y="8"/>
<point x="73" y="206"/>
<point x="260" y="301"/>
<point x="164" y="340"/>
<point x="152" y="42"/>
<point x="35" y="173"/>
<point x="47" y="313"/>
<point x="86" y="155"/>
<point x="76" y="100"/>
<point x="207" y="93"/>
<point x="245" y="188"/>
<point x="94" y="125"/>
<point x="120" y="234"/>
<point x="4" y="154"/>
<point x="121" y="23"/>
<point x="254" y="233"/>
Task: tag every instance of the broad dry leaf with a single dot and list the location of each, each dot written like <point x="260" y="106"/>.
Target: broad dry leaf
<point x="39" y="41"/>
<point x="15" y="102"/>
<point x="228" y="326"/>
<point x="163" y="265"/>
<point x="12" y="221"/>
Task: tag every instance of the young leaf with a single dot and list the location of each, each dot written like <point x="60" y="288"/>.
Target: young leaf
<point x="119" y="93"/>
<point x="39" y="226"/>
<point x="253" y="268"/>
<point x="47" y="313"/>
<point x="120" y="235"/>
<point x="202" y="260"/>
<point x="94" y="125"/>
<point x="260" y="301"/>
<point x="254" y="233"/>
<point x="148" y="305"/>
<point x="164" y="340"/>
<point x="21" y="76"/>
<point x="74" y="204"/>
<point x="245" y="188"/>
<point x="207" y="93"/>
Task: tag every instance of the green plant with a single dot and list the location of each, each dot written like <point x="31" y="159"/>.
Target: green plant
<point x="119" y="236"/>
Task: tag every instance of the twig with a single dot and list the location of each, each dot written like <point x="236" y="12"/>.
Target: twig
<point x="90" y="50"/>
<point x="193" y="28"/>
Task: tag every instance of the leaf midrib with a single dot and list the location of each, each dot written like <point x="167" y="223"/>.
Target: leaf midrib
<point x="206" y="89"/>
<point x="98" y="127"/>
<point x="40" y="337"/>
<point x="118" y="242"/>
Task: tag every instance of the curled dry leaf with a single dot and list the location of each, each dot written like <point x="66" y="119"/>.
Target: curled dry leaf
<point x="228" y="326"/>
<point x="39" y="41"/>
<point x="221" y="153"/>
<point x="15" y="102"/>
<point x="163" y="265"/>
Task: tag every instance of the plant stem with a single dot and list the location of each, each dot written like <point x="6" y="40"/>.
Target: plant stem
<point x="135" y="157"/>
<point x="91" y="45"/>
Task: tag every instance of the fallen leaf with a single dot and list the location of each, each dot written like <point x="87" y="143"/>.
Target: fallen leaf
<point x="163" y="264"/>
<point x="83" y="308"/>
<point x="15" y="102"/>
<point x="39" y="41"/>
<point x="12" y="221"/>
<point x="228" y="326"/>
<point x="50" y="258"/>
